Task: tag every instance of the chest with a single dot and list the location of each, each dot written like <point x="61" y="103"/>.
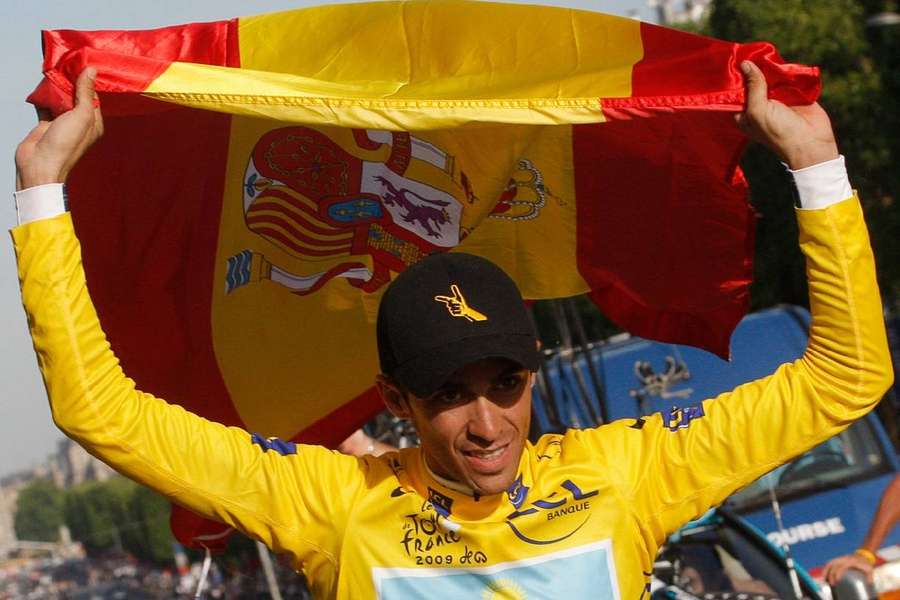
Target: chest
<point x="570" y="537"/>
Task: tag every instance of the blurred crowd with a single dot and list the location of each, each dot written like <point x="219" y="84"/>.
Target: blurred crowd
<point x="121" y="577"/>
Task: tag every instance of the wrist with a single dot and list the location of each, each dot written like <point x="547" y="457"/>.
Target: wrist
<point x="866" y="555"/>
<point x="31" y="179"/>
<point x="802" y="158"/>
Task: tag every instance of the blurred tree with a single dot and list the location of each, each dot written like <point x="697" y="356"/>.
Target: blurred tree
<point x="149" y="537"/>
<point x="95" y="511"/>
<point x="119" y="514"/>
<point x="39" y="512"/>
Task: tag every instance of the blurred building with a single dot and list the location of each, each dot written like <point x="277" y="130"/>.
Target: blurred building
<point x="669" y="12"/>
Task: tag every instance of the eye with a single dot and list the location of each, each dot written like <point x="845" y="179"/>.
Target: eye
<point x="510" y="382"/>
<point x="447" y="396"/>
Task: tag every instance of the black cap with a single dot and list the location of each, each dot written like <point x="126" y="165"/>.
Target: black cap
<point x="447" y="311"/>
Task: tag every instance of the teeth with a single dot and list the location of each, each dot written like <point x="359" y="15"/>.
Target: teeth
<point x="489" y="454"/>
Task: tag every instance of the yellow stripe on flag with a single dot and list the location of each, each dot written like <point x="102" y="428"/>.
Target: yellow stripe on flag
<point x="417" y="65"/>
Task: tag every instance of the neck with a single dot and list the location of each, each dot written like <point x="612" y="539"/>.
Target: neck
<point x="456" y="486"/>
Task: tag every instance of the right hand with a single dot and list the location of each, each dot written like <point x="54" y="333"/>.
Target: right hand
<point x="54" y="146"/>
<point x="800" y="135"/>
<point x="836" y="568"/>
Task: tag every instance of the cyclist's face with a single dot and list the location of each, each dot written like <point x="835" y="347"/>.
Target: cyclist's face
<point x="473" y="429"/>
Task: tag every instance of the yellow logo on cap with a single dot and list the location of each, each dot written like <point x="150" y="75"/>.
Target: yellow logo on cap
<point x="457" y="306"/>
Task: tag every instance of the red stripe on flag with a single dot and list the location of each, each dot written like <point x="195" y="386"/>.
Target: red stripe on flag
<point x="128" y="61"/>
<point x="690" y="71"/>
<point x="660" y="205"/>
<point x="149" y="230"/>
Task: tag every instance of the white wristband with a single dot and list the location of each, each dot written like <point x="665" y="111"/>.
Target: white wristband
<point x="40" y="202"/>
<point x="822" y="185"/>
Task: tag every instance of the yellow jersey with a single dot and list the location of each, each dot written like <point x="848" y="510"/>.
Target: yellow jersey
<point x="588" y="509"/>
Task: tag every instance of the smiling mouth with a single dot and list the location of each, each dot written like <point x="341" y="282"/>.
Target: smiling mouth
<point x="486" y="461"/>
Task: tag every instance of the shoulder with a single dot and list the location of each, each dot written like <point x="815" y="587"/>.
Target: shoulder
<point x="618" y="439"/>
<point x="391" y="468"/>
<point x="590" y="444"/>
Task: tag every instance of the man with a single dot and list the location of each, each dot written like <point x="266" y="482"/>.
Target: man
<point x="865" y="558"/>
<point x="477" y="511"/>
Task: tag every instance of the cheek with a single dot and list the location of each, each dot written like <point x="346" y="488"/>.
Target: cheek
<point x="445" y="426"/>
<point x="520" y="413"/>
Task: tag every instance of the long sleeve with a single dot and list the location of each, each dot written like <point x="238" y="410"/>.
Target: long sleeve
<point x="680" y="464"/>
<point x="294" y="498"/>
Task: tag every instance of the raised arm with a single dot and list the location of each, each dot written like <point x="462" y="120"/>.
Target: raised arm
<point x="294" y="498"/>
<point x="681" y="464"/>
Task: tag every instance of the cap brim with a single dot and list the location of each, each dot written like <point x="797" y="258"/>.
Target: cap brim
<point x="426" y="373"/>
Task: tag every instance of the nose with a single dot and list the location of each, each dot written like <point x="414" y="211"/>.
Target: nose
<point x="485" y="420"/>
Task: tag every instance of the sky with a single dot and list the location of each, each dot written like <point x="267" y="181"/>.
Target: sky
<point x="27" y="434"/>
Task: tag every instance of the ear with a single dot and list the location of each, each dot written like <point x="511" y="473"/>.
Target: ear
<point x="394" y="398"/>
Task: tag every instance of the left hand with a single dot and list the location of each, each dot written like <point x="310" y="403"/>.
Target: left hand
<point x="836" y="568"/>
<point x="800" y="135"/>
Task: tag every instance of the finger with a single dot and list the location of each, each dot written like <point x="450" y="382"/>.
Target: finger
<point x="444" y="299"/>
<point x="98" y="120"/>
<point x="837" y="573"/>
<point x="757" y="89"/>
<point x="456" y="293"/>
<point x="84" y="88"/>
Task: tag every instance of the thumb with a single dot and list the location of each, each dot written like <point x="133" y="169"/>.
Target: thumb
<point x="456" y="293"/>
<point x="757" y="89"/>
<point x="84" y="88"/>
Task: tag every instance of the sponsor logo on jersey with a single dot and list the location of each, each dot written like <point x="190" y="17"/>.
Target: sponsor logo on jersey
<point x="680" y="418"/>
<point x="517" y="493"/>
<point x="423" y="534"/>
<point x="551" y="450"/>
<point x="530" y="524"/>
<point x="638" y="423"/>
<point x="279" y="446"/>
<point x="442" y="504"/>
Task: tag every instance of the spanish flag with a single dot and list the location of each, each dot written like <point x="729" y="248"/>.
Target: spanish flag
<point x="262" y="179"/>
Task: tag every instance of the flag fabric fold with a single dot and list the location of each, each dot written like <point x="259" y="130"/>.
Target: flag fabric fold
<point x="262" y="179"/>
